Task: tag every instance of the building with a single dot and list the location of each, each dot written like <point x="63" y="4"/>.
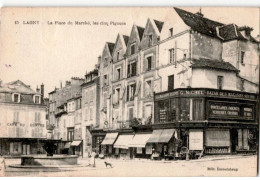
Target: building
<point x="65" y="114"/>
<point x="92" y="130"/>
<point x="22" y="120"/>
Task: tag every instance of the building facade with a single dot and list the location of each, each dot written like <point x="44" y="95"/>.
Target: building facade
<point x="22" y="120"/>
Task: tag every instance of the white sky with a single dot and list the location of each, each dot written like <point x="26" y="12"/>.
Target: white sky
<point x="50" y="54"/>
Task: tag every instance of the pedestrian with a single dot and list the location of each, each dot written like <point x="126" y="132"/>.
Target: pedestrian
<point x="153" y="152"/>
<point x="2" y="166"/>
<point x="92" y="159"/>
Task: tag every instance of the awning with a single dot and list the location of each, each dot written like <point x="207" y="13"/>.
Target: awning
<point x="162" y="136"/>
<point x="67" y="145"/>
<point x="75" y="143"/>
<point x="123" y="141"/>
<point x="155" y="136"/>
<point x="167" y="135"/>
<point x="109" y="139"/>
<point x="139" y="140"/>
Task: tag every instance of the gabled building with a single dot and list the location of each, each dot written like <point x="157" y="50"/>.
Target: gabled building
<point x="22" y="120"/>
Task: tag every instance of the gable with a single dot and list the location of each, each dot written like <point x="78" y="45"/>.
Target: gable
<point x="134" y="38"/>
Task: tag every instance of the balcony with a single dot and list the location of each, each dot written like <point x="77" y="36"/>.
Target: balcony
<point x="123" y="124"/>
<point x="59" y="112"/>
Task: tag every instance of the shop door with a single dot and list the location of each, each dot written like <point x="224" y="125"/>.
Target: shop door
<point x="131" y="153"/>
<point x="234" y="140"/>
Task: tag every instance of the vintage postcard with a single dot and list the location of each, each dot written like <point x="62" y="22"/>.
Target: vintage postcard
<point x="169" y="91"/>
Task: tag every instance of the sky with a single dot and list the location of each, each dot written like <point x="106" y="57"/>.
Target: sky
<point x="51" y="54"/>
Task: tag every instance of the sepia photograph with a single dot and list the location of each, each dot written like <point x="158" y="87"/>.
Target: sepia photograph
<point x="129" y="91"/>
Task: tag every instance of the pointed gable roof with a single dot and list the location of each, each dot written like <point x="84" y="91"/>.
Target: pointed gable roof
<point x="126" y="38"/>
<point x="198" y="23"/>
<point x="158" y="24"/>
<point x="111" y="47"/>
<point x="140" y="31"/>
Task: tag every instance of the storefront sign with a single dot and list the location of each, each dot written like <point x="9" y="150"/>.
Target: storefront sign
<point x="36" y="125"/>
<point x="195" y="139"/>
<point x="16" y="124"/>
<point x="162" y="115"/>
<point x="205" y="93"/>
<point x="229" y="110"/>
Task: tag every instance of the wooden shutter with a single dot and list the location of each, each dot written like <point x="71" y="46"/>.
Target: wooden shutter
<point x="153" y="61"/>
<point x="128" y="70"/>
<point x="145" y="64"/>
<point x="127" y="95"/>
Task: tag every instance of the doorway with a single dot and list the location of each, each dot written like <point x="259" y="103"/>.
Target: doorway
<point x="234" y="140"/>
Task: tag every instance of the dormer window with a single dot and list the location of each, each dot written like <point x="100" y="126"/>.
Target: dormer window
<point x="150" y="40"/>
<point x="132" y="49"/>
<point x="16" y="97"/>
<point x="37" y="99"/>
<point x="117" y="56"/>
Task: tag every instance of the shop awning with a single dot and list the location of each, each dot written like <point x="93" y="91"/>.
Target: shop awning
<point x="75" y="143"/>
<point x="155" y="136"/>
<point x="139" y="140"/>
<point x="167" y="135"/>
<point x="123" y="141"/>
<point x="109" y="139"/>
<point x="67" y="145"/>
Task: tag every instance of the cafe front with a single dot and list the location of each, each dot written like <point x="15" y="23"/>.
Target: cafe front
<point x="209" y="121"/>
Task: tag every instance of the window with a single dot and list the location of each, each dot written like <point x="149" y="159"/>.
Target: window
<point x="37" y="99"/>
<point x="242" y="57"/>
<point x="132" y="49"/>
<point x="131" y="92"/>
<point x="117" y="55"/>
<point x="105" y="80"/>
<point x="172" y="56"/>
<point x="170" y="82"/>
<point x="105" y="62"/>
<point x="220" y="82"/>
<point x="149" y="63"/>
<point x="118" y="73"/>
<point x="91" y="114"/>
<point x="148" y="113"/>
<point x="70" y="134"/>
<point x="148" y="88"/>
<point x="242" y="85"/>
<point x="171" y="32"/>
<point x="116" y="96"/>
<point x="16" y="98"/>
<point x="131" y="69"/>
<point x="150" y="40"/>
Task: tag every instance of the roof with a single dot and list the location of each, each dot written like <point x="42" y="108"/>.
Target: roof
<point x="111" y="47"/>
<point x="213" y="64"/>
<point x="230" y="32"/>
<point x="199" y="23"/>
<point x="159" y="24"/>
<point x="16" y="87"/>
<point x="126" y="38"/>
<point x="140" y="32"/>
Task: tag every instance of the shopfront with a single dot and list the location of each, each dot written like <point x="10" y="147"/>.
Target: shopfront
<point x="122" y="146"/>
<point x="209" y="120"/>
<point x="107" y="144"/>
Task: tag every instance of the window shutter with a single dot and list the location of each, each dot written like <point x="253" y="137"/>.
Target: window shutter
<point x="127" y="96"/>
<point x="145" y="64"/>
<point x="175" y="53"/>
<point x="128" y="70"/>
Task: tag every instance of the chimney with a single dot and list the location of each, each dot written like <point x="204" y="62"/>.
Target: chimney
<point x="99" y="59"/>
<point x="42" y="92"/>
<point x="67" y="83"/>
<point x="37" y="89"/>
<point x="245" y="30"/>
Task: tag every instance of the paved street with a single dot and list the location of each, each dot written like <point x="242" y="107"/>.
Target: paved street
<point x="209" y="166"/>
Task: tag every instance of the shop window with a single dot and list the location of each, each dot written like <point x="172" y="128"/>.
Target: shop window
<point x="184" y="109"/>
<point x="131" y="69"/>
<point x="131" y="92"/>
<point x="170" y="82"/>
<point x="197" y="109"/>
<point x="220" y="82"/>
<point x="163" y="108"/>
<point x="173" y="110"/>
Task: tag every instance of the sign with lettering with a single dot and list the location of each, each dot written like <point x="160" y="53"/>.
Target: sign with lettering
<point x="196" y="139"/>
<point x="231" y="110"/>
<point x="206" y="93"/>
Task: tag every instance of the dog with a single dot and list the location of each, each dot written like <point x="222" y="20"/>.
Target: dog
<point x="108" y="164"/>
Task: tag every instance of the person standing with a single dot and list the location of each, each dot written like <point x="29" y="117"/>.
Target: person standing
<point x="2" y="163"/>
